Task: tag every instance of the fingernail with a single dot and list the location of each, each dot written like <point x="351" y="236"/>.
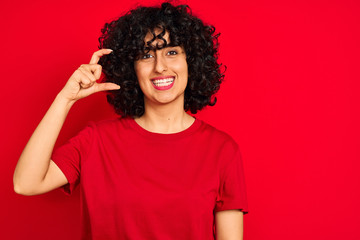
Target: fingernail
<point x="110" y="50"/>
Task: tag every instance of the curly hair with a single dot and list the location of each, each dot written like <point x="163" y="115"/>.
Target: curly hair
<point x="125" y="36"/>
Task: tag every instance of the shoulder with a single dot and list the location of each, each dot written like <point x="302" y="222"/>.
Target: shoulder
<point x="106" y="122"/>
<point x="219" y="136"/>
<point x="109" y="123"/>
<point x="108" y="126"/>
<point x="221" y="145"/>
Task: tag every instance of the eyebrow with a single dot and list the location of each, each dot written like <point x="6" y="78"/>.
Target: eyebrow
<point x="156" y="47"/>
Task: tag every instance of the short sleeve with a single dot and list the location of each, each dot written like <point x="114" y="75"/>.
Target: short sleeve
<point x="69" y="156"/>
<point x="232" y="192"/>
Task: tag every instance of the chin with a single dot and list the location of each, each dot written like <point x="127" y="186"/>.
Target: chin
<point x="168" y="99"/>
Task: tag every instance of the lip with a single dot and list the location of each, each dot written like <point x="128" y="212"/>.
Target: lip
<point x="161" y="77"/>
<point x="162" y="87"/>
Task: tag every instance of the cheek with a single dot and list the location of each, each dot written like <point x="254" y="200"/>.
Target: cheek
<point x="182" y="68"/>
<point x="140" y="71"/>
<point x="182" y="71"/>
<point x="136" y="68"/>
<point x="185" y="71"/>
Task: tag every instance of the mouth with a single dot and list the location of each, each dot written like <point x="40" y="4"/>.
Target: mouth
<point x="163" y="83"/>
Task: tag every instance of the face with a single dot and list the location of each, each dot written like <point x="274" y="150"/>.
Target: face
<point x="162" y="74"/>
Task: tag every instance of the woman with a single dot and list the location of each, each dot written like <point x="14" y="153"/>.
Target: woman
<point x="156" y="172"/>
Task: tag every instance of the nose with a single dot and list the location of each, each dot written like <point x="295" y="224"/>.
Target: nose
<point x="160" y="64"/>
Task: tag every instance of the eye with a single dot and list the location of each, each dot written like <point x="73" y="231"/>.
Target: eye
<point x="146" y="56"/>
<point x="172" y="52"/>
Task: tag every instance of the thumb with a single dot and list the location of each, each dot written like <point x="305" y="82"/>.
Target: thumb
<point x="106" y="87"/>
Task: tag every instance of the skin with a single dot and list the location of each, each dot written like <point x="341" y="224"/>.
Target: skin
<point x="36" y="173"/>
<point x="164" y="113"/>
<point x="229" y="225"/>
<point x="164" y="109"/>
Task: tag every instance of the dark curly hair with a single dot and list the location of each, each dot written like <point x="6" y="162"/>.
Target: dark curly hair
<point x="125" y="36"/>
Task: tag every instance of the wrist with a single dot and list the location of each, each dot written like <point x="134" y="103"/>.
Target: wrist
<point x="64" y="100"/>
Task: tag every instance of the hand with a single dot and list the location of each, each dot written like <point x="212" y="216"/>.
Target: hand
<point x="82" y="82"/>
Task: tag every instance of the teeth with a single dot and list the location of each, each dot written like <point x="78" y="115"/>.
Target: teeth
<point x="163" y="82"/>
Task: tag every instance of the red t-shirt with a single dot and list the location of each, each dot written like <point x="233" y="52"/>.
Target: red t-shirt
<point x="137" y="184"/>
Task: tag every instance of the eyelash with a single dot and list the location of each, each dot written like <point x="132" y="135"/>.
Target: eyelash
<point x="148" y="55"/>
<point x="173" y="52"/>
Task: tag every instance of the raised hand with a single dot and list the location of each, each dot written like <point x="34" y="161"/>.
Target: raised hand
<point x="82" y="82"/>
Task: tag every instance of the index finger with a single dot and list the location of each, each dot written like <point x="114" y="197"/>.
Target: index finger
<point x="98" y="54"/>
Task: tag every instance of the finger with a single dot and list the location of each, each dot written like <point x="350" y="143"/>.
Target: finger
<point x="84" y="81"/>
<point x="88" y="74"/>
<point x="98" y="70"/>
<point x="98" y="54"/>
<point x="86" y="85"/>
<point x="94" y="69"/>
<point x="106" y="87"/>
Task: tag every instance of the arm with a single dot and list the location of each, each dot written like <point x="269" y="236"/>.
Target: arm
<point x="35" y="173"/>
<point x="229" y="225"/>
<point x="34" y="161"/>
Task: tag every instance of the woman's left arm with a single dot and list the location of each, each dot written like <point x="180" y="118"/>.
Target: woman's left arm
<point x="229" y="225"/>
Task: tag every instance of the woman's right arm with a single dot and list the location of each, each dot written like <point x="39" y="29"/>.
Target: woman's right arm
<point x="35" y="172"/>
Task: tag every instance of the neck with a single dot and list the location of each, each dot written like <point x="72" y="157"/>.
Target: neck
<point x="165" y="118"/>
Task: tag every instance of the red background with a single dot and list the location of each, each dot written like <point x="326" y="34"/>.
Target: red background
<point x="290" y="99"/>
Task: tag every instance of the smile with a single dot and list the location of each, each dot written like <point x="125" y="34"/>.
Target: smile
<point x="163" y="83"/>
